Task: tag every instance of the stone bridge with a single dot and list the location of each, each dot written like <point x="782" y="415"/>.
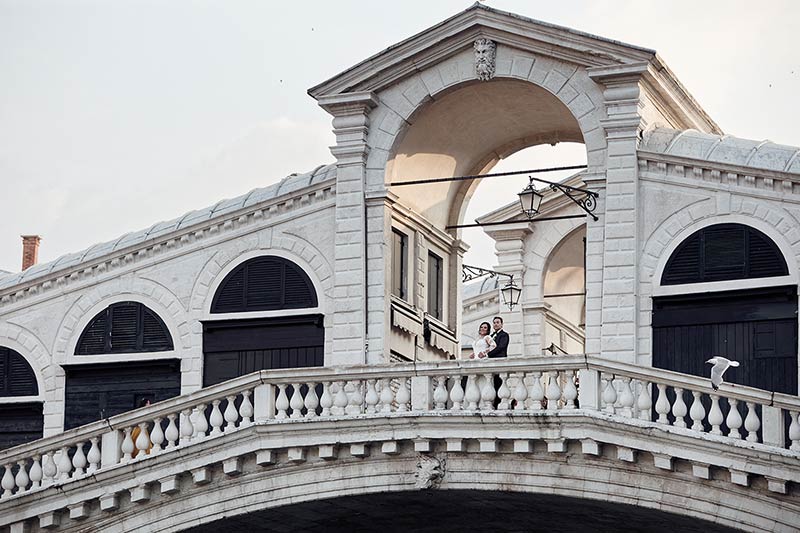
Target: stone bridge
<point x="519" y="444"/>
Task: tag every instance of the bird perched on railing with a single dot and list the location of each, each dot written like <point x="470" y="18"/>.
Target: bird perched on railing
<point x="721" y="364"/>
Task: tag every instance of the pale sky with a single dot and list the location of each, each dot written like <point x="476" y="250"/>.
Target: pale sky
<point x="117" y="114"/>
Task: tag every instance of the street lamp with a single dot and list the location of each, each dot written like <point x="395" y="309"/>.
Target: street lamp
<point x="530" y="200"/>
<point x="510" y="293"/>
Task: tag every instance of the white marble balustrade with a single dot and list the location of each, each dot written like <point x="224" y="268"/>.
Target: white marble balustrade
<point x="533" y="386"/>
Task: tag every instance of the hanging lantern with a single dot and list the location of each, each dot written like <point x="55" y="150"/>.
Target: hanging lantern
<point x="530" y="200"/>
<point x="511" y="294"/>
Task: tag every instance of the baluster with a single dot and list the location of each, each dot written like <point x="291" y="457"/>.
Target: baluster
<point x="296" y="403"/>
<point x="403" y="395"/>
<point x="22" y="479"/>
<point x="65" y="465"/>
<point x="662" y="404"/>
<point x="644" y="403"/>
<point x="371" y="398"/>
<point x="246" y="409"/>
<point x="473" y="393"/>
<point x="326" y="400"/>
<point x="187" y="428"/>
<point x="697" y="412"/>
<point x="311" y="401"/>
<point x="570" y="390"/>
<point x="553" y="392"/>
<point x="79" y="461"/>
<point x="36" y="473"/>
<point x="282" y="403"/>
<point x="216" y="419"/>
<point x="487" y="393"/>
<point x="231" y="414"/>
<point x="200" y="423"/>
<point x="128" y="446"/>
<point x="715" y="417"/>
<point x="609" y="394"/>
<point x="794" y="432"/>
<point x="172" y="432"/>
<point x="94" y="455"/>
<point x="734" y="420"/>
<point x="457" y="394"/>
<point x="751" y="422"/>
<point x="387" y="395"/>
<point x="355" y="399"/>
<point x="340" y="400"/>
<point x="537" y="392"/>
<point x="679" y="409"/>
<point x="440" y="394"/>
<point x="142" y="441"/>
<point x="504" y="393"/>
<point x="156" y="437"/>
<point x="8" y="482"/>
<point x="520" y="393"/>
<point x="626" y="399"/>
<point x="49" y="469"/>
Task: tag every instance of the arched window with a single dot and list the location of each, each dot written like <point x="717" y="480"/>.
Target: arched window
<point x="16" y="375"/>
<point x="124" y="327"/>
<point x="724" y="252"/>
<point x="264" y="284"/>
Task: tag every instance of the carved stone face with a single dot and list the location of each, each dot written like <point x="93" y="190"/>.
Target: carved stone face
<point x="485" y="51"/>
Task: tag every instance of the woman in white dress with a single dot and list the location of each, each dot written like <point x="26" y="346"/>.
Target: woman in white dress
<point x="484" y="343"/>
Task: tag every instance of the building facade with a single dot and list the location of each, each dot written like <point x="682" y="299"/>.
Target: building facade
<point x="692" y="250"/>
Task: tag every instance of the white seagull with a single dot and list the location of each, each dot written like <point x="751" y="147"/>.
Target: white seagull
<point x="720" y="366"/>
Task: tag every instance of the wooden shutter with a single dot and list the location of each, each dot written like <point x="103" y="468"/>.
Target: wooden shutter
<point x="125" y="327"/>
<point x="724" y="252"/>
<point x="16" y="375"/>
<point x="264" y="284"/>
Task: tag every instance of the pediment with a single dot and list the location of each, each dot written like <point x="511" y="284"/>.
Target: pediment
<point x="458" y="32"/>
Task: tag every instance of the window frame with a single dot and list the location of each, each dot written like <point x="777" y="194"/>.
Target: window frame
<point x="435" y="303"/>
<point x="400" y="264"/>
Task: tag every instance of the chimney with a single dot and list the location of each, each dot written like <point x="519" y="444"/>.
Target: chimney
<point x="30" y="250"/>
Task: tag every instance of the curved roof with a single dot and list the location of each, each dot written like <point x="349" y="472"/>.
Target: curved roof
<point x="765" y="155"/>
<point x="289" y="184"/>
<point x="471" y="290"/>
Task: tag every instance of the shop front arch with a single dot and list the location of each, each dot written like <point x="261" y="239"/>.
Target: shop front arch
<point x="20" y="419"/>
<point x="264" y="316"/>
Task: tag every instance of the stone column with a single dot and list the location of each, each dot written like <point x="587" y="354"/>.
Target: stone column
<point x="620" y="240"/>
<point x="350" y="125"/>
<point x="510" y="250"/>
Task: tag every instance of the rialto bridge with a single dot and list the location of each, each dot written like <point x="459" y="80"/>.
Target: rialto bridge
<point x="518" y="444"/>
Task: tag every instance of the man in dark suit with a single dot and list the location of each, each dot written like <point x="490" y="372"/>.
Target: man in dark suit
<point x="500" y="338"/>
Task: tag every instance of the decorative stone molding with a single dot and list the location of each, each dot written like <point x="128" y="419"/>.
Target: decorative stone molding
<point x="430" y="472"/>
<point x="203" y="234"/>
<point x="485" y="57"/>
<point x="753" y="182"/>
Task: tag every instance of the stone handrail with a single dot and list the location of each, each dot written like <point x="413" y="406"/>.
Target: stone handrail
<point x="533" y="386"/>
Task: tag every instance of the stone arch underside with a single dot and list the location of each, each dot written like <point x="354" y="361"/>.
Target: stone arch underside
<point x="461" y="510"/>
<point x="466" y="131"/>
<point x="673" y="499"/>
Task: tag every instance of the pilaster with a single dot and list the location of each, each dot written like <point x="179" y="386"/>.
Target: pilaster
<point x="350" y="125"/>
<point x="620" y="257"/>
<point x="510" y="250"/>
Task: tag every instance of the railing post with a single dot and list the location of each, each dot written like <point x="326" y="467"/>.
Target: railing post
<point x="421" y="393"/>
<point x="773" y="430"/>
<point x="264" y="403"/>
<point x="111" y="448"/>
<point x="589" y="389"/>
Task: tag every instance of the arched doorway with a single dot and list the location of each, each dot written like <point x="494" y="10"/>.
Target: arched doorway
<point x="756" y="326"/>
<point x="260" y="321"/>
<point x="20" y="419"/>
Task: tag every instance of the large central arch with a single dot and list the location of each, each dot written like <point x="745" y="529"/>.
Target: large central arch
<point x="466" y="130"/>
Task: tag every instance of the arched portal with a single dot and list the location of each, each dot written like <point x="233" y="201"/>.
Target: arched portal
<point x="465" y="132"/>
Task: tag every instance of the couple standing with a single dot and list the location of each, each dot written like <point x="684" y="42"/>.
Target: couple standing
<point x="490" y="345"/>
